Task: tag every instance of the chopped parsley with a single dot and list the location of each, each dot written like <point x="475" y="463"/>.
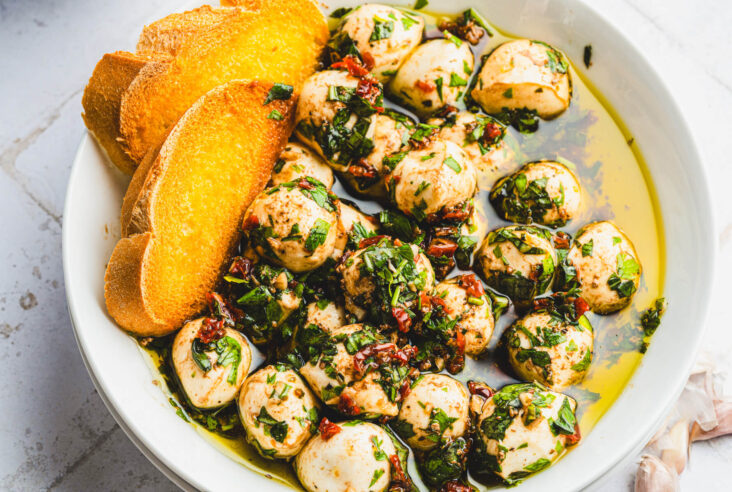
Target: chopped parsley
<point x="279" y="91"/>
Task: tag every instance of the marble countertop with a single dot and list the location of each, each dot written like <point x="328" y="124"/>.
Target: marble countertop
<point x="55" y="432"/>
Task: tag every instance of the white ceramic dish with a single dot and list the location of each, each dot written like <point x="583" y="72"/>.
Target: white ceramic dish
<point x="623" y="76"/>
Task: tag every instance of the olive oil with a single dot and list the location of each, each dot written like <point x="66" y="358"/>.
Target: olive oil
<point x="590" y="139"/>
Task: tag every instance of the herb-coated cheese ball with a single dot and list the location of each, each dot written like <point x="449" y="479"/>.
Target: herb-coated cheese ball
<point x="278" y="411"/>
<point x="524" y="74"/>
<point x="295" y="224"/>
<point x="483" y="138"/>
<point x="523" y="429"/>
<point x="542" y="192"/>
<point x="607" y="266"/>
<point x="210" y="373"/>
<point x="297" y="161"/>
<point x="518" y="261"/>
<point x="321" y="107"/>
<point x="547" y="348"/>
<point x="432" y="179"/>
<point x="365" y="284"/>
<point x="336" y="379"/>
<point x="473" y="311"/>
<point x="326" y="315"/>
<point x="382" y="34"/>
<point x="435" y="75"/>
<point x="355" y="458"/>
<point x="389" y="134"/>
<point x="435" y="411"/>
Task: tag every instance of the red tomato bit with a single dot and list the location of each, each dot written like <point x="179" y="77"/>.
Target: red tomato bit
<point x="473" y="287"/>
<point x="211" y="330"/>
<point x="328" y="429"/>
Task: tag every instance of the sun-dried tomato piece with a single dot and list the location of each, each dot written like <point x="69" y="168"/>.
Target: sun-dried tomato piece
<point x="347" y="406"/>
<point x="458" y="213"/>
<point x="211" y="330"/>
<point x="251" y="222"/>
<point x="369" y="89"/>
<point x="362" y="169"/>
<point x="491" y="133"/>
<point x="368" y="241"/>
<point x="402" y="318"/>
<point x="455" y="486"/>
<point x="480" y="389"/>
<point x="305" y="184"/>
<point x="445" y="231"/>
<point x="328" y="429"/>
<point x="242" y="266"/>
<point x="368" y="60"/>
<point x="467" y="30"/>
<point x="574" y="438"/>
<point x="354" y="66"/>
<point x="425" y="86"/>
<point x="442" y="247"/>
<point x="580" y="306"/>
<point x="382" y="353"/>
<point x="543" y="303"/>
<point x="473" y="287"/>
<point x="561" y="240"/>
<point x="399" y="479"/>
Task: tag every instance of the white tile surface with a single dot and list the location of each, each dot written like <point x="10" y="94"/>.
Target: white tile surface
<point x="55" y="432"/>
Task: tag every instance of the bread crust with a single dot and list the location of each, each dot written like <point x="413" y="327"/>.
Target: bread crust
<point x="133" y="99"/>
<point x="182" y="211"/>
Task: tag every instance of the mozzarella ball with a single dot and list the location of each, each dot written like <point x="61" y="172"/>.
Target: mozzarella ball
<point x="317" y="108"/>
<point x="435" y="75"/>
<point x="548" y="349"/>
<point x="336" y="380"/>
<point x="368" y="292"/>
<point x="278" y="411"/>
<point x="436" y="410"/>
<point x="432" y="179"/>
<point x="326" y="315"/>
<point x="524" y="428"/>
<point x="210" y="374"/>
<point x="474" y="314"/>
<point x="297" y="161"/>
<point x="518" y="261"/>
<point x="607" y="266"/>
<point x="366" y="175"/>
<point x="524" y="74"/>
<point x="384" y="34"/>
<point x="542" y="192"/>
<point x="483" y="139"/>
<point x="294" y="224"/>
<point x="356" y="458"/>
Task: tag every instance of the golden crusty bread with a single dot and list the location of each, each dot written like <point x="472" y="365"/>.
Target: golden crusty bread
<point x="133" y="99"/>
<point x="182" y="211"/>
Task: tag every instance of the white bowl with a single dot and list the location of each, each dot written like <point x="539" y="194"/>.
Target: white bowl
<point x="623" y="76"/>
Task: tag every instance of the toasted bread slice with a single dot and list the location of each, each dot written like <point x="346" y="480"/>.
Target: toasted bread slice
<point x="183" y="56"/>
<point x="103" y="97"/>
<point x="183" y="209"/>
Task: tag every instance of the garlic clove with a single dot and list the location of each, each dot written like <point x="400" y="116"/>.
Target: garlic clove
<point x="676" y="452"/>
<point x="723" y="410"/>
<point x="655" y="476"/>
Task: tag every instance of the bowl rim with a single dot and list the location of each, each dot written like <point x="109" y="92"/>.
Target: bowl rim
<point x="186" y="480"/>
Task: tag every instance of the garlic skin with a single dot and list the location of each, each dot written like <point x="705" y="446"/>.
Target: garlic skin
<point x="655" y="476"/>
<point x="676" y="453"/>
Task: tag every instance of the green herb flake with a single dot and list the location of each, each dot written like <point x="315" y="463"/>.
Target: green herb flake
<point x="377" y="475"/>
<point x="584" y="363"/>
<point x="318" y="235"/>
<point x="452" y="164"/>
<point x="587" y="248"/>
<point x="457" y="81"/>
<point x="508" y="94"/>
<point x="275" y="115"/>
<point x="383" y="29"/>
<point x="420" y="4"/>
<point x="279" y="91"/>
